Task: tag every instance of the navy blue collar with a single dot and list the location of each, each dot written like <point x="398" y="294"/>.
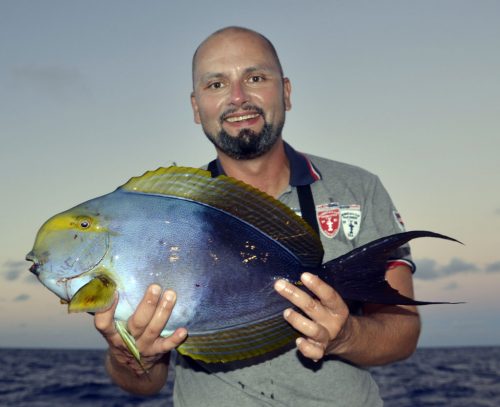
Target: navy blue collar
<point x="302" y="170"/>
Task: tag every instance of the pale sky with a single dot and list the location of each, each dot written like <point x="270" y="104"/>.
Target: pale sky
<point x="94" y="92"/>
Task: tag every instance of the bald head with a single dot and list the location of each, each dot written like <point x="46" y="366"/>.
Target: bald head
<point x="234" y="32"/>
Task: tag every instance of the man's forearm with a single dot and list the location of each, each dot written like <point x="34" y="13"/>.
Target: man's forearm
<point x="145" y="384"/>
<point x="389" y="335"/>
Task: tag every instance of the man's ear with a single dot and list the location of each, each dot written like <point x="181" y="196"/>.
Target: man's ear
<point x="196" y="112"/>
<point x="287" y="91"/>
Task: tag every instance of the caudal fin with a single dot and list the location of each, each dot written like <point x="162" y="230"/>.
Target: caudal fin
<point x="360" y="274"/>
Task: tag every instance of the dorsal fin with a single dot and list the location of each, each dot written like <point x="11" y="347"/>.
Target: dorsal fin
<point x="238" y="199"/>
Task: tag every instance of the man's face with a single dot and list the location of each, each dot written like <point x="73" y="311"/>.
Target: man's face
<point x="239" y="96"/>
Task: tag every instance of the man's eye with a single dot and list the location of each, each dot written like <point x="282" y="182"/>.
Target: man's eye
<point x="215" y="85"/>
<point x="256" y="78"/>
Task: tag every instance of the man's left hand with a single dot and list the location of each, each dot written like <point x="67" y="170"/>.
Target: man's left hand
<point x="326" y="324"/>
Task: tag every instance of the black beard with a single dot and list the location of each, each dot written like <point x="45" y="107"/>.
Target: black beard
<point x="247" y="144"/>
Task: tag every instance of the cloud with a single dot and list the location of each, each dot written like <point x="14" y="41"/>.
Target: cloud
<point x="493" y="267"/>
<point x="458" y="266"/>
<point x="22" y="297"/>
<point x="428" y="269"/>
<point x="12" y="269"/>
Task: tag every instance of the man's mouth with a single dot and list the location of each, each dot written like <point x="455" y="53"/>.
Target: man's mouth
<point x="236" y="119"/>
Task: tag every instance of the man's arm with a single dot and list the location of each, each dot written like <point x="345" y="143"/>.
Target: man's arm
<point x="145" y="325"/>
<point x="384" y="334"/>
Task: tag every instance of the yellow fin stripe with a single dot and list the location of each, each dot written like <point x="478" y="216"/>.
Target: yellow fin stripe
<point x="240" y="343"/>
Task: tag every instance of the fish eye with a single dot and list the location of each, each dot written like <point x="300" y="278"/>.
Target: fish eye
<point x="85" y="224"/>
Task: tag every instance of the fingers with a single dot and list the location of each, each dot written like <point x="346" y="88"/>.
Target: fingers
<point x="310" y="349"/>
<point x="325" y="292"/>
<point x="306" y="326"/>
<point x="171" y="342"/>
<point x="140" y="319"/>
<point x="325" y="314"/>
<point x="157" y="321"/>
<point x="104" y="321"/>
<point x="146" y="324"/>
<point x="319" y="308"/>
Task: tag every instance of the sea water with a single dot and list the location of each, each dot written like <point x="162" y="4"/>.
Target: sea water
<point x="449" y="377"/>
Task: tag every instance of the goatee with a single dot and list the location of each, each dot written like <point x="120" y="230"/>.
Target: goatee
<point x="247" y="144"/>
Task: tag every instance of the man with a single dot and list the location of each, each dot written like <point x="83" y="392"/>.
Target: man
<point x="240" y="97"/>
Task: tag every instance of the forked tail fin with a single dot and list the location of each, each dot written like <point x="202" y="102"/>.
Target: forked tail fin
<point x="360" y="274"/>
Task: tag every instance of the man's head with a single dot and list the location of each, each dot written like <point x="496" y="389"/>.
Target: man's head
<point x="239" y="93"/>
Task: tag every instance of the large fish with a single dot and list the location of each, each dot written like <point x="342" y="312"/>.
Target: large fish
<point x="219" y="243"/>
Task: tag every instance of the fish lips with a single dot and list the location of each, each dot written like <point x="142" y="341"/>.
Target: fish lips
<point x="35" y="267"/>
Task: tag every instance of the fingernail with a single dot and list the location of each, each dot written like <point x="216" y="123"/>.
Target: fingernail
<point x="170" y="295"/>
<point x="280" y="285"/>
<point x="307" y="277"/>
<point x="298" y="341"/>
<point x="155" y="289"/>
<point x="287" y="312"/>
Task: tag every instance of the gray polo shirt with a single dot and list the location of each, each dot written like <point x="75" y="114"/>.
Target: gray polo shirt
<point x="352" y="208"/>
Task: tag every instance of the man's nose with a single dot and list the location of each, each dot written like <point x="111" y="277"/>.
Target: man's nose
<point x="239" y="94"/>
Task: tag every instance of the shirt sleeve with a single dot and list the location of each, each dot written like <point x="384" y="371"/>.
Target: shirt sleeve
<point x="381" y="218"/>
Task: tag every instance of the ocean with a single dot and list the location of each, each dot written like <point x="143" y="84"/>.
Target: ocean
<point x="434" y="377"/>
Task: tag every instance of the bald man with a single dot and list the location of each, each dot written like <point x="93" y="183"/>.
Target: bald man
<point x="240" y="98"/>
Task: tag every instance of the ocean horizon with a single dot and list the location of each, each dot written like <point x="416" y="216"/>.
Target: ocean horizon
<point x="452" y="377"/>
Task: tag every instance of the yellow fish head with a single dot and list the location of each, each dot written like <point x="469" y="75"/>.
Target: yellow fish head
<point x="66" y="247"/>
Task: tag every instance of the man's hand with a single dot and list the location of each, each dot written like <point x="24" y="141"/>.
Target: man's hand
<point x="327" y="328"/>
<point x="383" y="334"/>
<point x="145" y="325"/>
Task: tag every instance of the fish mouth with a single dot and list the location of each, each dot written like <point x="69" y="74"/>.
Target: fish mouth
<point x="35" y="269"/>
<point x="36" y="263"/>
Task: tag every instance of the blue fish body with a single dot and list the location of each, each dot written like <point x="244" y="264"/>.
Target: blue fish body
<point x="222" y="268"/>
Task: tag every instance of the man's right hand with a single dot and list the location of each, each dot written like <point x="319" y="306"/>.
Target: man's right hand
<point x="145" y="325"/>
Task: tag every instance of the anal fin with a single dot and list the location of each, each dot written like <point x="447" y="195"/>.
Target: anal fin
<point x="239" y="343"/>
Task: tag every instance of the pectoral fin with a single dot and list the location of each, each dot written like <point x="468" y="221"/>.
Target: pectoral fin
<point x="129" y="341"/>
<point x="96" y="295"/>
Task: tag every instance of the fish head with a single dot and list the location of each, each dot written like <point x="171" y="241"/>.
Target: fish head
<point x="67" y="248"/>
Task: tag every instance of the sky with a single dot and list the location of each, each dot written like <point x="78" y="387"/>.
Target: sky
<point x="93" y="93"/>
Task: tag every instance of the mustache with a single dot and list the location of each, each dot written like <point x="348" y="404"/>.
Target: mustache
<point x="228" y="112"/>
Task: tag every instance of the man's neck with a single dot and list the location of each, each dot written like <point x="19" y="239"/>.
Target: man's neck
<point x="269" y="173"/>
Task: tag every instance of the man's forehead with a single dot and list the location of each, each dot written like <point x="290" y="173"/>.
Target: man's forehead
<point x="222" y="45"/>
